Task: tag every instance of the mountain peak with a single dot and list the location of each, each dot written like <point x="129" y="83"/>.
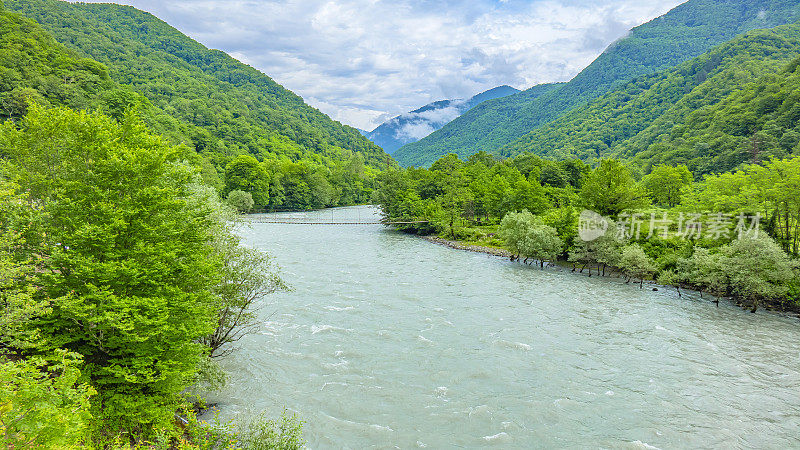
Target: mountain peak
<point x="414" y="125"/>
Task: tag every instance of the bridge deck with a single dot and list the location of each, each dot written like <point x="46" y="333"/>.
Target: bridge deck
<point x="306" y="222"/>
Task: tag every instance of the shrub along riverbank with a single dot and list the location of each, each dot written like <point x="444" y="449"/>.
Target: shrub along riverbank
<point x="731" y="235"/>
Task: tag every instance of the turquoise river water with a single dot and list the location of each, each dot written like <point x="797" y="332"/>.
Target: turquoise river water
<point x="388" y="341"/>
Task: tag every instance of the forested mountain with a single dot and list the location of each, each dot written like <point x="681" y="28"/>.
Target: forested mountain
<point x="230" y="108"/>
<point x="684" y="33"/>
<point x="415" y="125"/>
<point x="35" y="68"/>
<point x="710" y="113"/>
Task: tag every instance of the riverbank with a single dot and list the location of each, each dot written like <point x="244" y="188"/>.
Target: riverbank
<point x="502" y="253"/>
<point x="468" y="247"/>
<point x="770" y="305"/>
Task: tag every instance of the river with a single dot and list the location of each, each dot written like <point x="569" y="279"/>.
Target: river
<point x="389" y="341"/>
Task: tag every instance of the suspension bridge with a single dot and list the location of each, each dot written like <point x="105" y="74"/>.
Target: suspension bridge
<point x="304" y="221"/>
<point x="329" y="217"/>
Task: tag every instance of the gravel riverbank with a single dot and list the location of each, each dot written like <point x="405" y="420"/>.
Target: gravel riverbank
<point x="471" y="248"/>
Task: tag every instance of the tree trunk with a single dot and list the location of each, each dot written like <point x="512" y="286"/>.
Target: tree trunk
<point x="452" y="233"/>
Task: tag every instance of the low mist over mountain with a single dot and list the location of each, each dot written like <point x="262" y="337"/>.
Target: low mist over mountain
<point x="415" y="125"/>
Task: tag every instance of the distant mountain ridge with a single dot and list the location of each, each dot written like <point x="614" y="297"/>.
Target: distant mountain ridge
<point x="685" y="32"/>
<point x="415" y="125"/>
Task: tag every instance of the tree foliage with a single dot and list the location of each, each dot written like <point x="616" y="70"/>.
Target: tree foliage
<point x="241" y="201"/>
<point x="478" y="191"/>
<point x="127" y="261"/>
<point x="248" y="275"/>
<point x="757" y="269"/>
<point x="527" y="237"/>
<point x="635" y="263"/>
<point x="44" y="404"/>
<point x="121" y="276"/>
<point x="667" y="185"/>
<point x="611" y="189"/>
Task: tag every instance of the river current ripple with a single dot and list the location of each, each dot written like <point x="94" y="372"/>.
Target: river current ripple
<point x="388" y="341"/>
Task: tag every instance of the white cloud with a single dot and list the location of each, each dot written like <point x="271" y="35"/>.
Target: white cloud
<point x="440" y="116"/>
<point x="361" y="61"/>
<point x="414" y="131"/>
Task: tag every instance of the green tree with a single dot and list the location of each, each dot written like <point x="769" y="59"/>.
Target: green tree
<point x="667" y="184"/>
<point x="757" y="269"/>
<point x="605" y="251"/>
<point x="240" y="200"/>
<point x="635" y="263"/>
<point x="452" y="204"/>
<point x="496" y="196"/>
<point x="610" y="189"/>
<point x="248" y="275"/>
<point x="526" y="236"/>
<point x="527" y="195"/>
<point x="704" y="270"/>
<point x="553" y="175"/>
<point x="565" y="222"/>
<point x="128" y="263"/>
<point x="576" y="171"/>
<point x="246" y="174"/>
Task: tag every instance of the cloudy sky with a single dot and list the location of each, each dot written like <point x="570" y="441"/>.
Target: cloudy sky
<point x="365" y="61"/>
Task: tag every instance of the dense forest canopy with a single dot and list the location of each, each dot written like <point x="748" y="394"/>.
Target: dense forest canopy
<point x="220" y="108"/>
<point x="234" y="107"/>
<point x="684" y="33"/>
<point x="35" y="68"/>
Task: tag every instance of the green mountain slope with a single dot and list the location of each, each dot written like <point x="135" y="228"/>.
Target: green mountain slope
<point x="684" y="33"/>
<point x="32" y="62"/>
<point x="232" y="107"/>
<point x="653" y="110"/>
<point x="34" y="67"/>
<point x="752" y="124"/>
